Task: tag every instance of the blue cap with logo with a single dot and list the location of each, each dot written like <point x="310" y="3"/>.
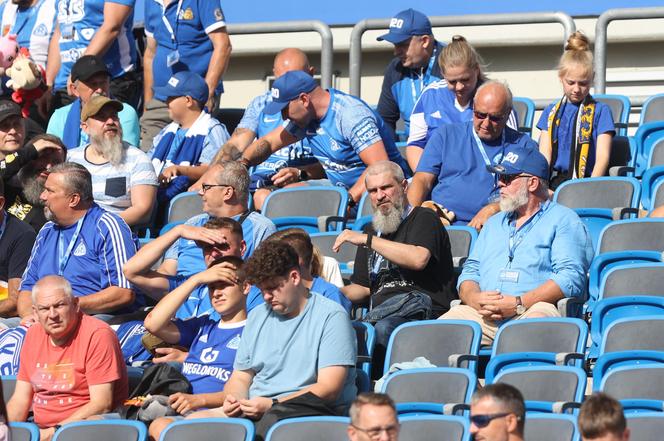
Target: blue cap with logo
<point x="185" y="83"/>
<point x="519" y="160"/>
<point x="288" y="87"/>
<point x="406" y="24"/>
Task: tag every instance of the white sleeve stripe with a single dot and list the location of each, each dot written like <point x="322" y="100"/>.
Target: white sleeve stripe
<point x="214" y="26"/>
<point x="119" y="250"/>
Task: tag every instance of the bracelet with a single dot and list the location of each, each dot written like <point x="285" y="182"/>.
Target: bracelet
<point x="369" y="240"/>
<point x="275" y="401"/>
<point x="351" y="201"/>
<point x="303" y="175"/>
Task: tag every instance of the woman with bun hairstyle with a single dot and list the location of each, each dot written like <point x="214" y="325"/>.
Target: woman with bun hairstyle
<point x="576" y="131"/>
<point x="450" y="100"/>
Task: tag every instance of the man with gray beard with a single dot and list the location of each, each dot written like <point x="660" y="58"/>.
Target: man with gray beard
<point x="403" y="266"/>
<point x="123" y="178"/>
<point x="530" y="255"/>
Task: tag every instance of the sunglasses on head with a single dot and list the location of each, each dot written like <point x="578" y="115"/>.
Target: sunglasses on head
<point x="492" y="118"/>
<point x="484" y="420"/>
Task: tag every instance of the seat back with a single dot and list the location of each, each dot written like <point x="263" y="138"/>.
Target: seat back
<point x="462" y="240"/>
<point x="24" y="432"/>
<point x="310" y="428"/>
<point x="229" y="117"/>
<point x="550" y="427"/>
<point x="645" y="425"/>
<point x="652" y="110"/>
<point x="434" y="340"/>
<point x="434" y="427"/>
<point x="8" y="386"/>
<point x="541" y="335"/>
<point x="606" y="192"/>
<point x="306" y="202"/>
<point x="184" y="206"/>
<point x="210" y="429"/>
<point x="366" y="340"/>
<point x="643" y="381"/>
<point x="646" y="137"/>
<point x="656" y="153"/>
<point x="622" y="152"/>
<point x="525" y="111"/>
<point x="545" y="383"/>
<point x="430" y="385"/>
<point x="324" y="242"/>
<point x="632" y="234"/>
<point x="364" y="207"/>
<point x="102" y="430"/>
<point x="620" y="109"/>
<point x="657" y="195"/>
<point x="642" y="279"/>
<point x="634" y="333"/>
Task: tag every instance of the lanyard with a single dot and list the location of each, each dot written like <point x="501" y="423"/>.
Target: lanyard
<point x="517" y="236"/>
<point x="480" y="146"/>
<point x="169" y="28"/>
<point x="424" y="79"/>
<point x="65" y="255"/>
<point x="31" y="12"/>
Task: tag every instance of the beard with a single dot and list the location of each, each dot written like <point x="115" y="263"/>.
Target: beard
<point x="510" y="204"/>
<point x="388" y="222"/>
<point x="32" y="183"/>
<point x="111" y="148"/>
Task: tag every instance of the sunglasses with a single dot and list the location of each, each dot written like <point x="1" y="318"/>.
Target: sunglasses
<point x="507" y="179"/>
<point x="492" y="118"/>
<point x="484" y="420"/>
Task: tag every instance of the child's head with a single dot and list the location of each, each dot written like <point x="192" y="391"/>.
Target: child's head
<point x="575" y="68"/>
<point x="229" y="298"/>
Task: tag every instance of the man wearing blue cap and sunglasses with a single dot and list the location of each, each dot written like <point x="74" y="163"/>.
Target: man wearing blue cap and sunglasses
<point x="345" y="135"/>
<point x="527" y="258"/>
<point x="412" y="69"/>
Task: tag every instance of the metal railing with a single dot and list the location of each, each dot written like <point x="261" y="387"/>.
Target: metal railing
<point x="355" y="60"/>
<point x="326" y="51"/>
<point x="601" y="41"/>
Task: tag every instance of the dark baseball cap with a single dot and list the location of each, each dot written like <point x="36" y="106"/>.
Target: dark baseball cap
<point x="8" y="108"/>
<point x="88" y="66"/>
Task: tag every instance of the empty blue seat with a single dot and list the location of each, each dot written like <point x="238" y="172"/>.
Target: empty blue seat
<point x="306" y="207"/>
<point x="620" y="108"/>
<point x="210" y="429"/>
<point x="525" y="112"/>
<point x="102" y="430"/>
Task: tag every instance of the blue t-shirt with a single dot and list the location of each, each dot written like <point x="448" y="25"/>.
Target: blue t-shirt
<point x="33" y="26"/>
<point x="294" y="155"/>
<point x="348" y="127"/>
<point x="102" y="247"/>
<point x="286" y="354"/>
<point x="191" y="21"/>
<point x="212" y="346"/>
<point x="602" y="123"/>
<point x="464" y="185"/>
<point x="79" y="21"/>
<point x="255" y="228"/>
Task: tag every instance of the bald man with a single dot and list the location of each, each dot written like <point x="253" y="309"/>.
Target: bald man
<point x="453" y="168"/>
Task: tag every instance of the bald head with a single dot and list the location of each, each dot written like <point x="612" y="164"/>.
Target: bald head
<point x="495" y="93"/>
<point x="491" y="109"/>
<point x="51" y="283"/>
<point x="291" y="59"/>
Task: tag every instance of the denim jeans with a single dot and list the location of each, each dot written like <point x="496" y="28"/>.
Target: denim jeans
<point x="386" y="317"/>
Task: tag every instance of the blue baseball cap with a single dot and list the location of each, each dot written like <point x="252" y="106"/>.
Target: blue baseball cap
<point x="185" y="83"/>
<point x="406" y="24"/>
<point x="519" y="160"/>
<point x="288" y="87"/>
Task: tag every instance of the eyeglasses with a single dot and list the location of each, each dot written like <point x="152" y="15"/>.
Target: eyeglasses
<point x="206" y="187"/>
<point x="484" y="420"/>
<point x="507" y="179"/>
<point x="492" y="118"/>
<point x="374" y="433"/>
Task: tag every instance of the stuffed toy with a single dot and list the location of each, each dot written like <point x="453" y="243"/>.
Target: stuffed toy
<point x="26" y="78"/>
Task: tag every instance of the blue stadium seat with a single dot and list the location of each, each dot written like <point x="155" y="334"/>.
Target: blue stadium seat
<point x="525" y="112"/>
<point x="643" y="279"/>
<point x="453" y="343"/>
<point x="639" y="386"/>
<point x="653" y="109"/>
<point x="545" y="388"/>
<point x="345" y="256"/>
<point x="323" y="428"/>
<point x="650" y="181"/>
<point x="647" y="136"/>
<point x="102" y="430"/>
<point x="645" y="425"/>
<point x="620" y="108"/>
<point x="24" y="432"/>
<point x="434" y="427"/>
<point x="305" y="207"/>
<point x="8" y="386"/>
<point x="431" y="390"/>
<point x="462" y="240"/>
<point x="210" y="429"/>
<point x="550" y="427"/>
<point x="184" y="206"/>
<point x="366" y="340"/>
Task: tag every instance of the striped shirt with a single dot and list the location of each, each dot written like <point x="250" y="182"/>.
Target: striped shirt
<point x="111" y="185"/>
<point x="33" y="26"/>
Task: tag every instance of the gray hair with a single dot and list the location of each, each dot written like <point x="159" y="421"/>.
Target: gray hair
<point x="235" y="174"/>
<point x="501" y="84"/>
<point x="54" y="282"/>
<point x="380" y="167"/>
<point x="509" y="399"/>
<point x="369" y="398"/>
<point x="77" y="179"/>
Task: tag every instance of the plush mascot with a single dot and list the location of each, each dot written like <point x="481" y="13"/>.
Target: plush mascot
<point x="26" y="78"/>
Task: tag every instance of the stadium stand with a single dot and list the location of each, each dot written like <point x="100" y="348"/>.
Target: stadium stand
<point x="210" y="429"/>
<point x="550" y="427"/>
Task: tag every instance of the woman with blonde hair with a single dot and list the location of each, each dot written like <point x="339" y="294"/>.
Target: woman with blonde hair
<point x="450" y="100"/>
<point x="576" y="131"/>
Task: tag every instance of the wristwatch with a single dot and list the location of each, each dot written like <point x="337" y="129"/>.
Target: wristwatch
<point x="520" y="309"/>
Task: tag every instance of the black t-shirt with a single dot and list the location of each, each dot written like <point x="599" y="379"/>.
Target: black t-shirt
<point x="422" y="228"/>
<point x="15" y="248"/>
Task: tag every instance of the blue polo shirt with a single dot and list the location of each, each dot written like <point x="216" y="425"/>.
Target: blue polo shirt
<point x="463" y="184"/>
<point x="191" y="22"/>
<point x="348" y="127"/>
<point x="86" y="17"/>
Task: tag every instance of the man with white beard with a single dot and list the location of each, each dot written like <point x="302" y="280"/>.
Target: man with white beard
<point x="530" y="255"/>
<point x="403" y="266"/>
<point x="123" y="179"/>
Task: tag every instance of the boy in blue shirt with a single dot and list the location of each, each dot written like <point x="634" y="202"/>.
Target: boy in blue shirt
<point x="212" y="344"/>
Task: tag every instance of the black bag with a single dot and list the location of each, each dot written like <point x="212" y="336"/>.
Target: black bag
<point x="158" y="379"/>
